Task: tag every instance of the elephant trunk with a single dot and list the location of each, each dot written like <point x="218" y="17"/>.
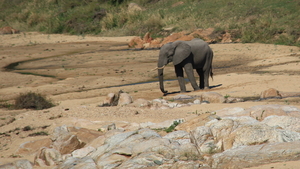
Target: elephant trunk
<point x="161" y="80"/>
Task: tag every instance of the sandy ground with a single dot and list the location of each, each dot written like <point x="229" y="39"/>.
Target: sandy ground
<point x="77" y="72"/>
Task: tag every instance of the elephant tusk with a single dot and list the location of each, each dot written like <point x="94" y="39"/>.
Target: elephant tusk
<point x="158" y="68"/>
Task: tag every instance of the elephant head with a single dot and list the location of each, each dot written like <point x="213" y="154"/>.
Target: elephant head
<point x="174" y="52"/>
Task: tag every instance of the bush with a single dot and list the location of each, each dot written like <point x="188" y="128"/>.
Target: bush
<point x="32" y="100"/>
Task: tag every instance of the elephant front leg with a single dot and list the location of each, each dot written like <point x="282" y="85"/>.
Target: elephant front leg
<point x="190" y="74"/>
<point x="180" y="77"/>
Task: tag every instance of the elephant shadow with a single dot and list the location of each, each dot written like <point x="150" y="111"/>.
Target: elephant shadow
<point x="210" y="87"/>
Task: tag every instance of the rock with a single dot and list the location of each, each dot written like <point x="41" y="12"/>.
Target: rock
<point x="111" y="161"/>
<point x="259" y="134"/>
<point x="176" y="135"/>
<point x="197" y="121"/>
<point x="108" y="127"/>
<point x="124" y="99"/>
<point x="199" y="136"/>
<point x="47" y="157"/>
<point x="136" y="42"/>
<point x="233" y="100"/>
<point x="147" y="133"/>
<point x="156" y="43"/>
<point x="231" y="133"/>
<point x="221" y="129"/>
<point x="186" y="165"/>
<point x="69" y="145"/>
<point x="244" y="120"/>
<point x="226" y="38"/>
<point x="141" y="103"/>
<point x="19" y="164"/>
<point x="31" y="147"/>
<point x="212" y="97"/>
<point x="8" y="30"/>
<point x="149" y="145"/>
<point x="109" y="99"/>
<point x="197" y="101"/>
<point x="80" y="153"/>
<point x="182" y="97"/>
<point x="64" y="141"/>
<point x="284" y="122"/>
<point x="118" y="138"/>
<point x="231" y="111"/>
<point x="270" y="93"/>
<point x="250" y="156"/>
<point x="262" y="111"/>
<point x="144" y="160"/>
<point x="173" y="37"/>
<point x="147" y="38"/>
<point x="78" y="163"/>
<point x="173" y="105"/>
<point x="204" y="34"/>
<point x="86" y="135"/>
<point x="132" y="7"/>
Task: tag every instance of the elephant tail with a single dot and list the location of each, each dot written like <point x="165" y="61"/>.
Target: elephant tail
<point x="211" y="73"/>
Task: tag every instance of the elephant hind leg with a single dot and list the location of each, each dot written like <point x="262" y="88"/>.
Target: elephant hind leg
<point x="201" y="78"/>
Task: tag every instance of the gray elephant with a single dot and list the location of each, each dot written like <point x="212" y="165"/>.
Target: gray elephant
<point x="194" y="54"/>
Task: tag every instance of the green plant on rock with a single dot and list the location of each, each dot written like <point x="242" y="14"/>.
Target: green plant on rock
<point x="172" y="127"/>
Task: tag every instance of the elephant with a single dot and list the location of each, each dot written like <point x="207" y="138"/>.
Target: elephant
<point x="194" y="54"/>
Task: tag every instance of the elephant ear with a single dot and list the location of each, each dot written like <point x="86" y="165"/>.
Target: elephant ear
<point x="182" y="51"/>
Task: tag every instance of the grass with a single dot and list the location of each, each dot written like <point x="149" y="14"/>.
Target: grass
<point x="275" y="21"/>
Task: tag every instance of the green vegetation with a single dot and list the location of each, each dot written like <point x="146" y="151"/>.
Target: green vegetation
<point x="172" y="127"/>
<point x="265" y="21"/>
<point x="41" y="133"/>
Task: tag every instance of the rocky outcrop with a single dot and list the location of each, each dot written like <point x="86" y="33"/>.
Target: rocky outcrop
<point x="249" y="156"/>
<point x="227" y="138"/>
<point x="8" y="30"/>
<point x="209" y="35"/>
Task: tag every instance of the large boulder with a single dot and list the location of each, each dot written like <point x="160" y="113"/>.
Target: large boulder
<point x="270" y="93"/>
<point x="47" y="157"/>
<point x="124" y="99"/>
<point x="67" y="139"/>
<point x="249" y="156"/>
<point x="31" y="147"/>
<point x="284" y="122"/>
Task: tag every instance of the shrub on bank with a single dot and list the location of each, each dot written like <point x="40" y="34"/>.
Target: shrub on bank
<point x="32" y="100"/>
<point x="262" y="21"/>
